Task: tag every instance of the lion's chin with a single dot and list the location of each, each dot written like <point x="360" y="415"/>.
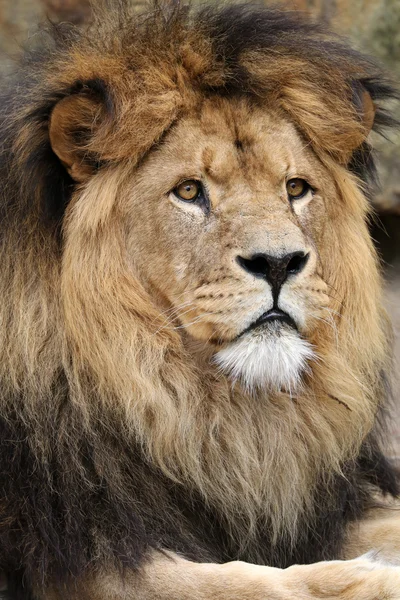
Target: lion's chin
<point x="275" y="358"/>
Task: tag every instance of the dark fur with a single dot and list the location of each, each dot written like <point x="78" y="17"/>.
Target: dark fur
<point x="53" y="508"/>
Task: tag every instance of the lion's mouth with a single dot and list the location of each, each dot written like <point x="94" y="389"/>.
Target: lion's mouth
<point x="274" y="315"/>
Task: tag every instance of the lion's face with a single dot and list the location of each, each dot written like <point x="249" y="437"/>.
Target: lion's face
<point x="226" y="223"/>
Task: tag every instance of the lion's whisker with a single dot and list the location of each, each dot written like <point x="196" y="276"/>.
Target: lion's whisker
<point x="197" y="320"/>
<point x="169" y="313"/>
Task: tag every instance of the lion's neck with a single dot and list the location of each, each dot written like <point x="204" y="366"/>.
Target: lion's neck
<point x="249" y="454"/>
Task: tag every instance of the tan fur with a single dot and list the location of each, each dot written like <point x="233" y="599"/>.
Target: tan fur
<point x="147" y="290"/>
<point x="379" y="530"/>
<point x="170" y="577"/>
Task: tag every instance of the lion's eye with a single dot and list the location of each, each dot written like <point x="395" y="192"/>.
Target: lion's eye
<point x="189" y="190"/>
<point x="297" y="188"/>
<point x="192" y="192"/>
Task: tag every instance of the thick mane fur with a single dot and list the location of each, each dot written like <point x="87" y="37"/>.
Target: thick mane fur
<point x="105" y="416"/>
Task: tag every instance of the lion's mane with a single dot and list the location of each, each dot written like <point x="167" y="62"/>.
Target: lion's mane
<point x="107" y="448"/>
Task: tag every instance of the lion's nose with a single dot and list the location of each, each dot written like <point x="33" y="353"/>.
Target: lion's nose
<point x="273" y="268"/>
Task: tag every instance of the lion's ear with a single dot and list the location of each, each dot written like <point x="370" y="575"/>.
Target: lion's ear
<point x="366" y="110"/>
<point x="73" y="124"/>
<point x="336" y="122"/>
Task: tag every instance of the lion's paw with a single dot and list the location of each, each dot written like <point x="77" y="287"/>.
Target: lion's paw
<point x="364" y="578"/>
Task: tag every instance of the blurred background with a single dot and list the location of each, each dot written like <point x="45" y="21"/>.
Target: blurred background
<point x="372" y="25"/>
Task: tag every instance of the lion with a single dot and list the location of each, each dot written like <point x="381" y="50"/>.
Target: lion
<point x="194" y="353"/>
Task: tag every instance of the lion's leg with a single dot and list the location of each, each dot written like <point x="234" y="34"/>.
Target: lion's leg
<point x="174" y="578"/>
<point x="379" y="531"/>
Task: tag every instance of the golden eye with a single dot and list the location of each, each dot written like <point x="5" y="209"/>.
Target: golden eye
<point x="188" y="190"/>
<point x="297" y="188"/>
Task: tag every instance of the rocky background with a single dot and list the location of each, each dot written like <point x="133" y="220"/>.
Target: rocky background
<point x="372" y="25"/>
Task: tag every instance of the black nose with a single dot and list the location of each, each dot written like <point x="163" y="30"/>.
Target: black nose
<point x="274" y="269"/>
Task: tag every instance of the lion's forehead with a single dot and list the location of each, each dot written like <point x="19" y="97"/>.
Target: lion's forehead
<point x="238" y="147"/>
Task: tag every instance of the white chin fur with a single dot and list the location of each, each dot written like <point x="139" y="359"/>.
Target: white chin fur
<point x="275" y="358"/>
